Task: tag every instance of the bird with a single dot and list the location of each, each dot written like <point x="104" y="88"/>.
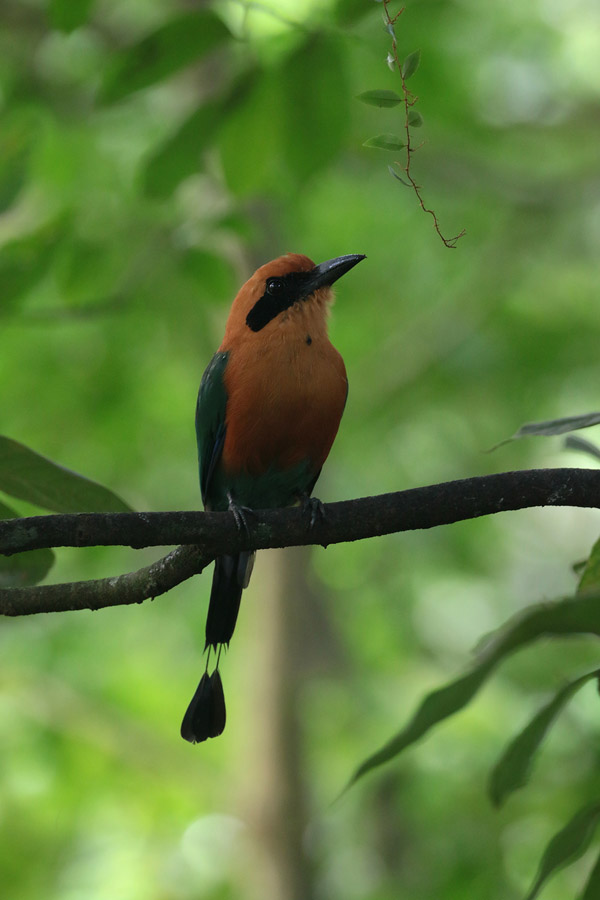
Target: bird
<point x="269" y="407"/>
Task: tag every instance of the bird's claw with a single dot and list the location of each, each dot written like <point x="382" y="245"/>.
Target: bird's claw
<point x="316" y="509"/>
<point x="241" y="514"/>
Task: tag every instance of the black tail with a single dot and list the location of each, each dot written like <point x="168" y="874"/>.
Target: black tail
<point x="205" y="716"/>
<point x="231" y="576"/>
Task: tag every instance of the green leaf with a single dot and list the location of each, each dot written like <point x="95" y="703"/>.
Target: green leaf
<point x="589" y="583"/>
<point x="36" y="479"/>
<point x="385" y="142"/>
<point x="558" y="426"/>
<point x="393" y="172"/>
<point x="248" y="164"/>
<point x="513" y="769"/>
<point x="380" y="98"/>
<point x="175" y="45"/>
<point x="415" y="119"/>
<point x="23" y="569"/>
<point x="7" y="512"/>
<point x="67" y="15"/>
<point x="592" y="889"/>
<point x="19" y="137"/>
<point x="573" y="442"/>
<point x="348" y="12"/>
<point x="181" y="155"/>
<point x="435" y="707"/>
<point x="24" y="262"/>
<point x="553" y="426"/>
<point x="315" y="115"/>
<point x="411" y="64"/>
<point x="567" y="845"/>
<point x="580" y="615"/>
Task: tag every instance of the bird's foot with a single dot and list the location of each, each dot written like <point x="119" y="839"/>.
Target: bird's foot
<point x="315" y="508"/>
<point x="241" y="514"/>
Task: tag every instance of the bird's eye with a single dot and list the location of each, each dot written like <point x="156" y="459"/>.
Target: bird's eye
<point x="274" y="286"/>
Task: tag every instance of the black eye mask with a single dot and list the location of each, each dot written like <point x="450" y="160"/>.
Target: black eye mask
<point x="280" y="293"/>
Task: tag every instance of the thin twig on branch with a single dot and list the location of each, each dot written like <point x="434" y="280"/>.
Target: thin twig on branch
<point x="211" y="534"/>
<point x="409" y="102"/>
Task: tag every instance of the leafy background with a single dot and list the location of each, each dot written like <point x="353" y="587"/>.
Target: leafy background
<point x="152" y="153"/>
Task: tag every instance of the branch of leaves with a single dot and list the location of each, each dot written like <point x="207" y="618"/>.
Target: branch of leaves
<point x="387" y="99"/>
<point x="578" y="615"/>
<point x="563" y="618"/>
<point x="27" y="476"/>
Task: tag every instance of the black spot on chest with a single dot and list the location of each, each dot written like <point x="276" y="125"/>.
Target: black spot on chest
<point x="308" y="339"/>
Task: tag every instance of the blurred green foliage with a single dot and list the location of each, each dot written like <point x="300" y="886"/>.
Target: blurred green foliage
<point x="152" y="153"/>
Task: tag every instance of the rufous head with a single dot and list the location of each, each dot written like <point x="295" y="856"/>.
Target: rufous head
<point x="287" y="283"/>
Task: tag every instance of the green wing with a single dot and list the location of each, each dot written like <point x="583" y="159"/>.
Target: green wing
<point x="210" y="421"/>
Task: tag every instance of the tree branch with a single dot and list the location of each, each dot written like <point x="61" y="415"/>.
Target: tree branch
<point x="211" y="534"/>
<point x="134" y="587"/>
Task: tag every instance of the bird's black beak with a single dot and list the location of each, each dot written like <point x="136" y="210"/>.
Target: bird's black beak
<point x="326" y="273"/>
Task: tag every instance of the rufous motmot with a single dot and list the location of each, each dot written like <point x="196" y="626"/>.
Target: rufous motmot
<point x="269" y="407"/>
